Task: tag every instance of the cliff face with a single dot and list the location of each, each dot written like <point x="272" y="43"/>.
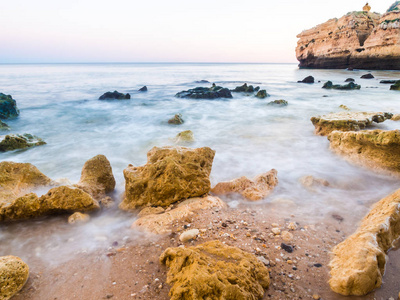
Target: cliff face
<point x="360" y="40"/>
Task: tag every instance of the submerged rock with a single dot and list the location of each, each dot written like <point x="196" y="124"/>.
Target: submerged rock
<point x="202" y="81"/>
<point x="258" y="188"/>
<point x="349" y="86"/>
<point x="214" y="271"/>
<point x="358" y="263"/>
<point x="14" y="274"/>
<point x="114" y="95"/>
<point x="396" y="86"/>
<point x="78" y="218"/>
<point x="308" y="79"/>
<point x="367" y="76"/>
<point x="8" y="107"/>
<point x="205" y="93"/>
<point x="19" y="141"/>
<point x="342" y="106"/>
<point x="312" y="184"/>
<point x="280" y="102"/>
<point x="388" y="81"/>
<point x="346" y="121"/>
<point x="97" y="178"/>
<point x="143" y="89"/>
<point x="4" y="126"/>
<point x="349" y="80"/>
<point x="176" y="120"/>
<point x="376" y="149"/>
<point x="262" y="94"/>
<point x="170" y="175"/>
<point x="160" y="223"/>
<point x="184" y="137"/>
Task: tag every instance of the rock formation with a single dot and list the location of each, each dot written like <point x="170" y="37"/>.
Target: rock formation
<point x="170" y="175"/>
<point x="377" y="149"/>
<point x="8" y="107"/>
<point x="114" y="95"/>
<point x="19" y="141"/>
<point x="176" y="120"/>
<point x="358" y="263"/>
<point x="362" y="40"/>
<point x="184" y="137"/>
<point x="280" y="102"/>
<point x="246" y="89"/>
<point x="262" y="94"/>
<point x="350" y="86"/>
<point x="13" y="275"/>
<point x="395" y="86"/>
<point x="258" y="188"/>
<point x="347" y="121"/>
<point x="214" y="271"/>
<point x="308" y="79"/>
<point x="213" y="92"/>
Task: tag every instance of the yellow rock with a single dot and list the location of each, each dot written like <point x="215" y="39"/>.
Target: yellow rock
<point x="258" y="188"/>
<point x="396" y="117"/>
<point x="78" y="218"/>
<point x="311" y="183"/>
<point x="184" y="137"/>
<point x="214" y="271"/>
<point x="151" y="211"/>
<point x="13" y="275"/>
<point x="287" y="236"/>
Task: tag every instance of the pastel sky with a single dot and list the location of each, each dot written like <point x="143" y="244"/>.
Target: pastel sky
<point x="33" y="31"/>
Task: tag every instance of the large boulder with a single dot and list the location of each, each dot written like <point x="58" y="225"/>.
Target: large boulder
<point x="377" y="149"/>
<point x="61" y="199"/>
<point x="170" y="175"/>
<point x="8" y="107"/>
<point x="214" y="270"/>
<point x="258" y="188"/>
<point x="358" y="263"/>
<point x="262" y="94"/>
<point x="13" y="275"/>
<point x="114" y="95"/>
<point x="347" y="121"/>
<point x="308" y="79"/>
<point x="205" y="93"/>
<point x="19" y="141"/>
<point x="350" y="86"/>
<point x="97" y="177"/>
<point x="159" y="221"/>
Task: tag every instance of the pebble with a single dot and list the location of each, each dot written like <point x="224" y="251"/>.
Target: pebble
<point x="318" y="265"/>
<point x="248" y="234"/>
<point x="287" y="236"/>
<point x="263" y="260"/>
<point x="292" y="226"/>
<point x="276" y="231"/>
<point x="316" y="297"/>
<point x="275" y="225"/>
<point x="287" y="248"/>
<point x="188" y="235"/>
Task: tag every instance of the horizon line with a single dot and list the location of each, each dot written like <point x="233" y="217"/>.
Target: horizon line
<point x="93" y="63"/>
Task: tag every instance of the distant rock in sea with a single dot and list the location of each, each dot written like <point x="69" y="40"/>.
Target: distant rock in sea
<point x="114" y="95"/>
<point x="8" y="107"/>
<point x="395" y="86"/>
<point x="358" y="40"/>
<point x="143" y="89"/>
<point x="213" y="92"/>
<point x="308" y="79"/>
<point x="350" y="86"/>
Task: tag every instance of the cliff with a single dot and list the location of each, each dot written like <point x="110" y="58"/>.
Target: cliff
<point x="361" y="40"/>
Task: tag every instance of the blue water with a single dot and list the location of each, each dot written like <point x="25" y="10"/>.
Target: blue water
<point x="59" y="103"/>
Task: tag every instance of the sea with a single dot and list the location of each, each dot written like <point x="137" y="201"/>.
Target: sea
<point x="60" y="104"/>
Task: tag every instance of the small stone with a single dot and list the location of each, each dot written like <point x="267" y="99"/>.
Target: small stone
<point x="337" y="217"/>
<point x="263" y="260"/>
<point x="318" y="265"/>
<point x="316" y="297"/>
<point x="276" y="231"/>
<point x="292" y="226"/>
<point x="275" y="225"/>
<point x="287" y="248"/>
<point x="289" y="262"/>
<point x="188" y="235"/>
<point x="248" y="234"/>
<point x="287" y="236"/>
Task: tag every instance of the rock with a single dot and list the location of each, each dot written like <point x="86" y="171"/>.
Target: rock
<point x="202" y="81"/>
<point x="311" y="183"/>
<point x="170" y="175"/>
<point x="176" y="120"/>
<point x="17" y="141"/>
<point x="358" y="40"/>
<point x="342" y="106"/>
<point x="78" y="218"/>
<point x="292" y="226"/>
<point x="376" y="149"/>
<point x="396" y="86"/>
<point x="287" y="236"/>
<point x="4" y="126"/>
<point x="367" y="76"/>
<point x="258" y="188"/>
<point x="280" y="102"/>
<point x="214" y="271"/>
<point x="13" y="275"/>
<point x="17" y="179"/>
<point x="262" y="94"/>
<point x="276" y="231"/>
<point x="396" y="117"/>
<point x="205" y="93"/>
<point x="97" y="178"/>
<point x="161" y="223"/>
<point x="244" y="88"/>
<point x="143" y="89"/>
<point x="150" y="210"/>
<point x="57" y="200"/>
<point x="114" y="95"/>
<point x="189" y="235"/>
<point x="358" y="263"/>
<point x="349" y="80"/>
<point x="308" y="79"/>
<point x="388" y="81"/>
<point x="287" y="248"/>
<point x="346" y="121"/>
<point x="350" y="86"/>
<point x="107" y="202"/>
<point x="184" y="137"/>
<point x="8" y="107"/>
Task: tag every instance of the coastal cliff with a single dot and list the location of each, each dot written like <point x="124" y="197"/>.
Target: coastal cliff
<point x="362" y="40"/>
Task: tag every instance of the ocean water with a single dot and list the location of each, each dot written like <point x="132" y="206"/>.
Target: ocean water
<point x="59" y="103"/>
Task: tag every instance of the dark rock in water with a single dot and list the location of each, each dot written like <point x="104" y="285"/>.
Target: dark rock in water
<point x="349" y="80"/>
<point x="3" y="126"/>
<point x="349" y="86"/>
<point x="205" y="93"/>
<point x="388" y="81"/>
<point x="244" y="88"/>
<point x="287" y="248"/>
<point x="280" y="102"/>
<point x="396" y="86"/>
<point x="143" y="89"/>
<point x="114" y="95"/>
<point x="17" y="141"/>
<point x="308" y="79"/>
<point x="176" y="120"/>
<point x="367" y="76"/>
<point x="257" y="88"/>
<point x="8" y="107"/>
<point x="202" y="81"/>
<point x="262" y="94"/>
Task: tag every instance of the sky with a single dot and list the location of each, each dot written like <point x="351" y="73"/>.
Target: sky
<point x="55" y="31"/>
